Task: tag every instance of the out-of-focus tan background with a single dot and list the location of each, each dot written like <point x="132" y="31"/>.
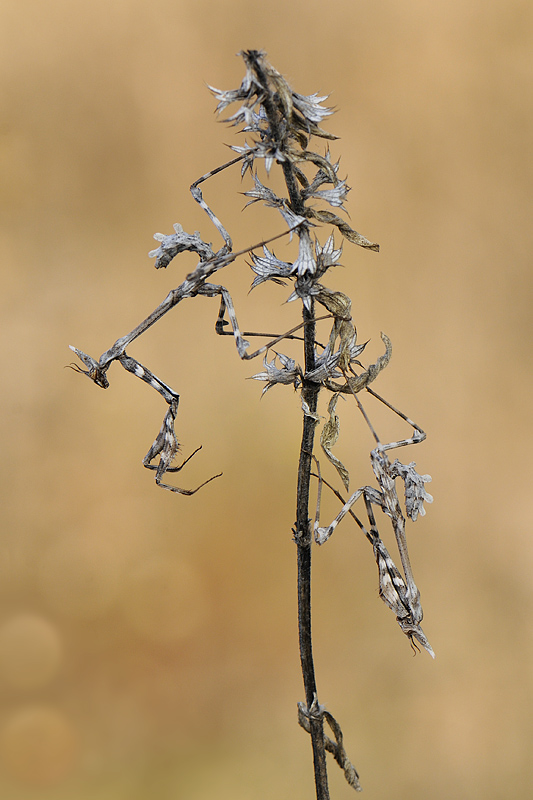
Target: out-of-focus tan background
<point x="148" y="642"/>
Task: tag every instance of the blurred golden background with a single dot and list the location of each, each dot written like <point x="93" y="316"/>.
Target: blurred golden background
<point x="148" y="642"/>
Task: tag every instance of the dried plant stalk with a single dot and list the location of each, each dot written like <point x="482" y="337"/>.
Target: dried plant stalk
<point x="281" y="124"/>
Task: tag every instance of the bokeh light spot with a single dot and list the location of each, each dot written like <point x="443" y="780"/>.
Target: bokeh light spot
<point x="30" y="651"/>
<point x="38" y="746"/>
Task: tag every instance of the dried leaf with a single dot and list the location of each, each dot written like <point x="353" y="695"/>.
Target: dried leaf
<point x="328" y="438"/>
<point x="332" y="219"/>
<point x="359" y="382"/>
<point x="336" y="748"/>
<point x="320" y="161"/>
<point x="308" y="413"/>
<point x="337" y="303"/>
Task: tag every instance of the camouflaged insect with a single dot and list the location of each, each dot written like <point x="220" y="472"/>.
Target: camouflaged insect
<point x="279" y="126"/>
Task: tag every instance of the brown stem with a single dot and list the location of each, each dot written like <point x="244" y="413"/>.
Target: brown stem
<point x="303" y="535"/>
<point x="303" y="538"/>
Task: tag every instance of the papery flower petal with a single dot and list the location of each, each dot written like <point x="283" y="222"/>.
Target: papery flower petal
<point x="305" y="264"/>
<point x="225" y="98"/>
<point x="335" y="196"/>
<point x="305" y="288"/>
<point x="268" y="267"/>
<point x="323" y="176"/>
<point x="269" y="263"/>
<point x="265" y="193"/>
<point x="292" y="219"/>
<point x="289" y="373"/>
<point x="325" y="366"/>
<point x="327" y="256"/>
<point x="309" y="106"/>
